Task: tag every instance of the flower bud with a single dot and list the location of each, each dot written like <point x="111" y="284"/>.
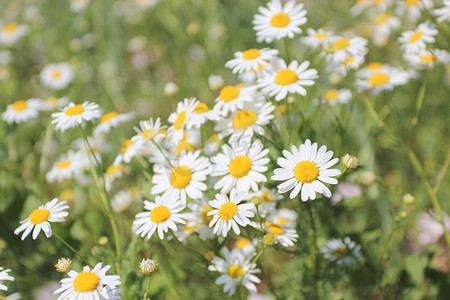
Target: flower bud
<point x="256" y="200"/>
<point x="63" y="265"/>
<point x="209" y="255"/>
<point x="408" y="199"/>
<point x="268" y="240"/>
<point x="103" y="240"/>
<point x="349" y="161"/>
<point x="148" y="266"/>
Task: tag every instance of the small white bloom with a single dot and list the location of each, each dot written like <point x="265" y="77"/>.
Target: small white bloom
<point x="75" y="114"/>
<point x="343" y="252"/>
<point x="11" y="33"/>
<point x="251" y="59"/>
<point x="112" y="119"/>
<point x="319" y="38"/>
<point x="443" y="13"/>
<point x="416" y="41"/>
<point x="4" y="276"/>
<point x="56" y="76"/>
<point x="21" y="110"/>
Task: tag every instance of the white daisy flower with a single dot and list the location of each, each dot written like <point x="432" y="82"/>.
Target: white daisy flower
<point x="384" y="24"/>
<point x="241" y="166"/>
<point x="41" y="217"/>
<point x="283" y="235"/>
<point x="162" y="215"/>
<point x="215" y="82"/>
<point x="121" y="201"/>
<point x="184" y="177"/>
<point x="428" y="59"/>
<point x="276" y="21"/>
<point x="128" y="150"/>
<point x="228" y="213"/>
<point x="416" y="41"/>
<point x="11" y="33"/>
<point x="21" y="110"/>
<point x="443" y="13"/>
<point x="305" y="170"/>
<point x="190" y="142"/>
<point x="319" y="38"/>
<point x="245" y="246"/>
<point x="202" y="114"/>
<point x="53" y="103"/>
<point x="68" y="166"/>
<point x="285" y="79"/>
<point x="75" y="114"/>
<point x="342" y="48"/>
<point x="149" y="131"/>
<point x="284" y="216"/>
<point x="236" y="268"/>
<point x="344" y="252"/>
<point x="181" y="119"/>
<point x="232" y="98"/>
<point x="337" y="96"/>
<point x="413" y="8"/>
<point x="251" y="59"/>
<point x="90" y="284"/>
<point x="56" y="76"/>
<point x="383" y="80"/>
<point x="112" y="119"/>
<point x="4" y="276"/>
<point x="242" y="123"/>
<point x="198" y="218"/>
<point x="268" y="200"/>
<point x="351" y="62"/>
<point x="79" y="5"/>
<point x="112" y="173"/>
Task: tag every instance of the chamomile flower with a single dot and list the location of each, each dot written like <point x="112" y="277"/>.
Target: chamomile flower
<point x="246" y="246"/>
<point x="277" y="21"/>
<point x="284" y="216"/>
<point x="241" y="166"/>
<point x="244" y="122"/>
<point x="90" y="284"/>
<point x="75" y="114"/>
<point x="283" y="235"/>
<point x="337" y="96"/>
<point x="351" y="62"/>
<point x="198" y="217"/>
<point x="268" y="200"/>
<point x="112" y="173"/>
<point x="56" y="76"/>
<point x="416" y="41"/>
<point x="342" y="48"/>
<point x="181" y="119"/>
<point x="305" y="170"/>
<point x="251" y="59"/>
<point x="112" y="119"/>
<point x="21" y="111"/>
<point x="232" y="98"/>
<point x="121" y="201"/>
<point x="5" y="276"/>
<point x="41" y="217"/>
<point x="319" y="38"/>
<point x="443" y="13"/>
<point x="343" y="252"/>
<point x="383" y="80"/>
<point x="11" y="33"/>
<point x="128" y="150"/>
<point x="68" y="166"/>
<point x="184" y="177"/>
<point x="201" y="114"/>
<point x="428" y="59"/>
<point x="149" y="131"/>
<point x="413" y="8"/>
<point x="284" y="79"/>
<point x="235" y="268"/>
<point x="53" y="103"/>
<point x="162" y="215"/>
<point x="227" y="213"/>
<point x="384" y="24"/>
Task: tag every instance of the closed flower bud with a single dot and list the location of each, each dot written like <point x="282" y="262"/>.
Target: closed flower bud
<point x="408" y="199"/>
<point x="63" y="265"/>
<point x="256" y="200"/>
<point x="349" y="161"/>
<point x="148" y="266"/>
<point x="209" y="255"/>
<point x="268" y="240"/>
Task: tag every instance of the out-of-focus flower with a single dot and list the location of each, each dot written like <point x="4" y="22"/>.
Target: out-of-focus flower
<point x="215" y="82"/>
<point x="428" y="229"/>
<point x="11" y="33"/>
<point x="343" y="252"/>
<point x="170" y="89"/>
<point x="416" y="41"/>
<point x="56" y="76"/>
<point x="79" y="5"/>
<point x="21" y="110"/>
<point x="443" y="13"/>
<point x="251" y="59"/>
<point x="346" y="190"/>
<point x="75" y="114"/>
<point x="5" y="276"/>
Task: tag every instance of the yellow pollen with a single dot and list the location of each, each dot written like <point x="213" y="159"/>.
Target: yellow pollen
<point x="184" y="146"/>
<point x="306" y="171"/>
<point x="242" y="242"/>
<point x="114" y="169"/>
<point x="229" y="93"/>
<point x="20" y="105"/>
<point x="266" y="198"/>
<point x="411" y="2"/>
<point x="275" y="229"/>
<point x="321" y="36"/>
<point x="251" y="54"/>
<point x="280" y="20"/>
<point x="180" y="120"/>
<point x="374" y="66"/>
<point x="86" y="282"/>
<point x="227" y="211"/>
<point x="125" y="146"/>
<point x="282" y="221"/>
<point x="201" y="108"/>
<point x="428" y="58"/>
<point x="160" y="214"/>
<point x="286" y="77"/>
<point x="332" y="95"/>
<point x="416" y="36"/>
<point x="205" y="218"/>
<point x="240" y="166"/>
<point x="39" y="215"/>
<point x="378" y="79"/>
<point x="244" y="119"/>
<point x="180" y="177"/>
<point x="349" y="59"/>
<point x="11" y="27"/>
<point x="64" y="164"/>
<point x="341" y="44"/>
<point x="108" y="116"/>
<point x="381" y="18"/>
<point x="75" y="110"/>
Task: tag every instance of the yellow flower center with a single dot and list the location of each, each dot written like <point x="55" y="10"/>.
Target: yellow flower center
<point x="189" y="228"/>
<point x="180" y="120"/>
<point x="340" y="252"/>
<point x="229" y="93"/>
<point x="242" y="242"/>
<point x="52" y="101"/>
<point x="56" y="73"/>
<point x="86" y="282"/>
<point x="114" y="169"/>
<point x="266" y="198"/>
<point x="180" y="177"/>
<point x="428" y="58"/>
<point x="251" y="54"/>
<point x="75" y="110"/>
<point x="205" y="218"/>
<point x="378" y="79"/>
<point x="349" y="60"/>
<point x="184" y="146"/>
<point x="280" y="20"/>
<point x="108" y="116"/>
<point x="381" y="18"/>
<point x="235" y="271"/>
<point x="160" y="214"/>
<point x="2" y="298"/>
<point x="11" y="27"/>
<point x="275" y="229"/>
<point x="244" y="119"/>
<point x="240" y="166"/>
<point x="201" y="108"/>
<point x="321" y="36"/>
<point x="411" y="2"/>
<point x="39" y="215"/>
<point x="286" y="77"/>
<point x="416" y="36"/>
<point x="64" y="164"/>
<point x="282" y="221"/>
<point x="341" y="44"/>
<point x="125" y="146"/>
<point x="374" y="66"/>
<point x="331" y="95"/>
<point x="227" y="211"/>
<point x="20" y="105"/>
<point x="67" y="195"/>
<point x="306" y="171"/>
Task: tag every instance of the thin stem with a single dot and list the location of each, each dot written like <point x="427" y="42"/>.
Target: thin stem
<point x="441" y="174"/>
<point x="148" y="287"/>
<point x="386" y="244"/>
<point x="314" y="250"/>
<point x="71" y="249"/>
<point x="163" y="154"/>
<point x="45" y="146"/>
<point x="419" y="101"/>
<point x="252" y="264"/>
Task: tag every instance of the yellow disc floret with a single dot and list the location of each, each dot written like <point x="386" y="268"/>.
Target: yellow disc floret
<point x="244" y="119"/>
<point x="75" y="110"/>
<point x="108" y="116"/>
<point x="20" y="105"/>
<point x="251" y="54"/>
<point x="378" y="79"/>
<point x="229" y="93"/>
<point x="180" y="177"/>
<point x="341" y="44"/>
<point x="240" y="166"/>
<point x="306" y="171"/>
<point x="160" y="214"/>
<point x="39" y="215"/>
<point x="286" y="77"/>
<point x="205" y="218"/>
<point x="86" y="282"/>
<point x="280" y="20"/>
<point x="228" y="211"/>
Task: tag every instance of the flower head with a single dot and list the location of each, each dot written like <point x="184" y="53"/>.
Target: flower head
<point x="75" y="114"/>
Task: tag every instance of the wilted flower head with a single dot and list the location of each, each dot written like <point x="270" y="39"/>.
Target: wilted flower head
<point x="63" y="265"/>
<point x="148" y="266"/>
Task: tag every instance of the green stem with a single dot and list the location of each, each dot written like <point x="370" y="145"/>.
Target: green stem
<point x="419" y="101"/>
<point x="315" y="249"/>
<point x="252" y="264"/>
<point x="45" y="143"/>
<point x="386" y="244"/>
<point x="148" y="287"/>
<point x="71" y="249"/>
